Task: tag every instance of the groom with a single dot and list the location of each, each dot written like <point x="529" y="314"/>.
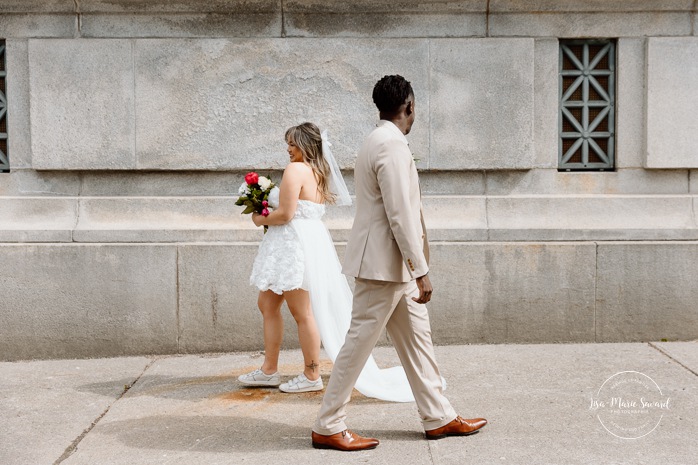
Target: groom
<point x="387" y="253"/>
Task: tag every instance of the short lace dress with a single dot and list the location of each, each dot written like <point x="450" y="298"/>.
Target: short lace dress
<point x="280" y="262"/>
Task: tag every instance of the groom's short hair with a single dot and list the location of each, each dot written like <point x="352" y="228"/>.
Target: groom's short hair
<point x="390" y="92"/>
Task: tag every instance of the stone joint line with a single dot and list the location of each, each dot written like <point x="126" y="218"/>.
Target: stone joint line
<point x="596" y="287"/>
<point x="78" y="18"/>
<point x="179" y="295"/>
<point x="487" y="20"/>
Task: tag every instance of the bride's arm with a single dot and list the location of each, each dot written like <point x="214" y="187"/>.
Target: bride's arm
<point x="289" y="191"/>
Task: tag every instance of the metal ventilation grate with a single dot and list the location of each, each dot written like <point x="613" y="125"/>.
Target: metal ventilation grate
<point x="587" y="105"/>
<point x="4" y="160"/>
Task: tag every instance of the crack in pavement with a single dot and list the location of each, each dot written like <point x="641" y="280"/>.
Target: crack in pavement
<point x="659" y="349"/>
<point x="74" y="445"/>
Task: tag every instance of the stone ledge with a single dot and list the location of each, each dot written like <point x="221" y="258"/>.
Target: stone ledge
<point x="612" y="212"/>
<point x="582" y="6"/>
<point x="591" y="18"/>
<point x="387" y="25"/>
<point x="319" y="18"/>
<point x="179" y="6"/>
<point x="29" y="235"/>
<point x="23" y="25"/>
<point x="597" y="24"/>
<point x="626" y="181"/>
<point x="37" y="6"/>
<point x="26" y="182"/>
<point x="190" y="25"/>
<point x="167" y="219"/>
<point x="30" y="219"/>
<point x="364" y="18"/>
<point x="384" y="6"/>
<point x="340" y="6"/>
<point x="139" y="6"/>
<point x="611" y="234"/>
<point x="449" y="219"/>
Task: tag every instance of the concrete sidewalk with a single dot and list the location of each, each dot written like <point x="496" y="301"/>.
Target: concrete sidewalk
<point x="190" y="410"/>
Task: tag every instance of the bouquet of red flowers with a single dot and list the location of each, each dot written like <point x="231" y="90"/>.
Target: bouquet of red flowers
<point x="254" y="194"/>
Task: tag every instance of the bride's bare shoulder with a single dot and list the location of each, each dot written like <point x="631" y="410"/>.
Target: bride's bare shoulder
<point x="297" y="169"/>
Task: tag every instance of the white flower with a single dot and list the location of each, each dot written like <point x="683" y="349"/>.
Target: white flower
<point x="264" y="182"/>
<point x="244" y="189"/>
<point x="273" y="198"/>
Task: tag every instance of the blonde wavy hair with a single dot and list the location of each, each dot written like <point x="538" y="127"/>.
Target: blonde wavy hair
<point x="307" y="138"/>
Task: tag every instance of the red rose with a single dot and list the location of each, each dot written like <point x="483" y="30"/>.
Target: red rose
<point x="265" y="203"/>
<point x="265" y="212"/>
<point x="251" y="178"/>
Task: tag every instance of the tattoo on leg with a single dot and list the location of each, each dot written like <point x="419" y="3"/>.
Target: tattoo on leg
<point x="313" y="366"/>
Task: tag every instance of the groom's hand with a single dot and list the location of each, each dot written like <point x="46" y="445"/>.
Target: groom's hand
<point x="425" y="290"/>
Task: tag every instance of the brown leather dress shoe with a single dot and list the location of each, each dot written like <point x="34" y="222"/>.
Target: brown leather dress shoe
<point x="346" y="440"/>
<point x="458" y="427"/>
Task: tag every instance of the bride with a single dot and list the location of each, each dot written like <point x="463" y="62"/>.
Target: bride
<point x="297" y="262"/>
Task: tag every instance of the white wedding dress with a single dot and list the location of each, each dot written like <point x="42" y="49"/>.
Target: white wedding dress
<point x="301" y="255"/>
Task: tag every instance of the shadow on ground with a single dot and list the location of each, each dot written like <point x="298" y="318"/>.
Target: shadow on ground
<point x="224" y="386"/>
<point x="222" y="434"/>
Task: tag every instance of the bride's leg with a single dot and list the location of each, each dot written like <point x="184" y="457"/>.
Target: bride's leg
<point x="299" y="304"/>
<point x="270" y="306"/>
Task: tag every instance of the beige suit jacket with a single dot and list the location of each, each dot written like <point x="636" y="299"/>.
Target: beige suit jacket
<point x="388" y="239"/>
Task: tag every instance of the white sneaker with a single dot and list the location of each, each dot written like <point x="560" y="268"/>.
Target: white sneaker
<point x="302" y="384"/>
<point x="258" y="378"/>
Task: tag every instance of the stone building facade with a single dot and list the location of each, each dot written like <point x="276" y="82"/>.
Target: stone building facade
<point x="129" y="125"/>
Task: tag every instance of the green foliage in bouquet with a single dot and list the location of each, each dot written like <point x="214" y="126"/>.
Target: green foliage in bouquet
<point x="254" y="194"/>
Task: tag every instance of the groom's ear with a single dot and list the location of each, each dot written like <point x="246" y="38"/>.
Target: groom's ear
<point x="409" y="108"/>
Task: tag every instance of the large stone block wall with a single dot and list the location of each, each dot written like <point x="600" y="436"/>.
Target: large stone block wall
<point x="77" y="300"/>
<point x="672" y="125"/>
<point x="222" y="104"/>
<point x="66" y="300"/>
<point x="211" y="104"/>
<point x="194" y="85"/>
<point x="132" y="122"/>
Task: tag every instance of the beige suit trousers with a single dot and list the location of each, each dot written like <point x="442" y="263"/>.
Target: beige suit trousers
<point x="378" y="305"/>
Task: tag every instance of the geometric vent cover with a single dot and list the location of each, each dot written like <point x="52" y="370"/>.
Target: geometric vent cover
<point x="587" y="91"/>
